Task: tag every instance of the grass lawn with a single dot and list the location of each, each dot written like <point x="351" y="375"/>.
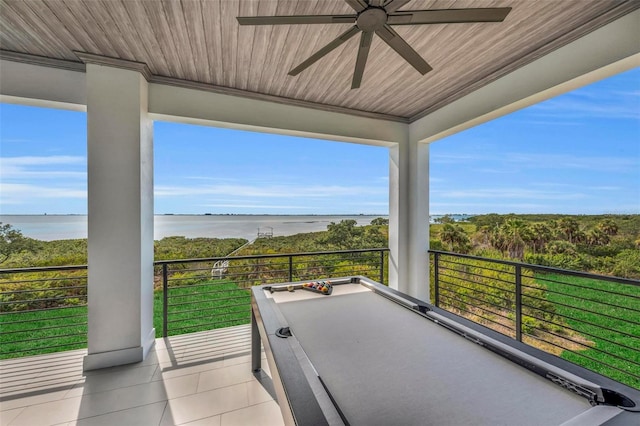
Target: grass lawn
<point x="616" y="337"/>
<point x="47" y="331"/>
<point x="205" y="306"/>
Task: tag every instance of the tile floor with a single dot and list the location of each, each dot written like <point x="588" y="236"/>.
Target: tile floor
<point x="193" y="379"/>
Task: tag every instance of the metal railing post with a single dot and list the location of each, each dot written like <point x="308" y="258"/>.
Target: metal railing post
<point x="165" y="299"/>
<point x="290" y="268"/>
<point x="518" y="303"/>
<point x="381" y="266"/>
<point x="436" y="278"/>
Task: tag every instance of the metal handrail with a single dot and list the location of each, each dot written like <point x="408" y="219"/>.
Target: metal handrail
<point x="48" y="295"/>
<point x="267" y="256"/>
<point x="538" y="307"/>
<point x="541" y="268"/>
<point x="241" y="275"/>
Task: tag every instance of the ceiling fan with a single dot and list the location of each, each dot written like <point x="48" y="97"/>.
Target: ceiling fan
<point x="376" y="17"/>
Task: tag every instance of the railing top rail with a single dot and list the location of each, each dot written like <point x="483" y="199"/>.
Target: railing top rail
<point x="43" y="269"/>
<point x="266" y="256"/>
<point x="547" y="269"/>
<point x="204" y="259"/>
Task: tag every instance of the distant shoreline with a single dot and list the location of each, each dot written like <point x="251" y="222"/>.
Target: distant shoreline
<point x="211" y="214"/>
<point x="247" y="226"/>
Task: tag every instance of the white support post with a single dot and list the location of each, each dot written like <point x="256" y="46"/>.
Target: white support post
<point x="409" y="218"/>
<point x="120" y="243"/>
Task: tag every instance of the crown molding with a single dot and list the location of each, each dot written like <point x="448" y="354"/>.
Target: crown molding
<point x="90" y="58"/>
<point x="42" y="61"/>
<point x="187" y="84"/>
<point x="142" y="68"/>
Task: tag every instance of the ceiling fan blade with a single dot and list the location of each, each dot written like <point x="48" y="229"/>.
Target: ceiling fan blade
<point x="394" y="5"/>
<point x="397" y="43"/>
<point x="376" y="3"/>
<point x="300" y="19"/>
<point x="448" y="16"/>
<point x="357" y="5"/>
<point x="326" y="49"/>
<point x="363" y="53"/>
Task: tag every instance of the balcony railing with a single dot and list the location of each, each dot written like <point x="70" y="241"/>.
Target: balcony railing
<point x="591" y="320"/>
<point x="44" y="310"/>
<point x="202" y="294"/>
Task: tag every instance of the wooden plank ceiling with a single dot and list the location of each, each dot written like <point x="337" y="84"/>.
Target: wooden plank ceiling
<point x="201" y="41"/>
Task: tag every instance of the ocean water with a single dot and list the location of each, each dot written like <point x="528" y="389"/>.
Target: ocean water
<point x="61" y="227"/>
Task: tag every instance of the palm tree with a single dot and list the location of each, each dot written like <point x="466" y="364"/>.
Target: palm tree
<point x="455" y="237"/>
<point x="608" y="226"/>
<point x="597" y="237"/>
<point x="482" y="237"/>
<point x="569" y="228"/>
<point x="514" y="233"/>
<point x="538" y="236"/>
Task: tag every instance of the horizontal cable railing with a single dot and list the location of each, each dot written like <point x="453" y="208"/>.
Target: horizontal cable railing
<point x="42" y="310"/>
<point x="591" y="320"/>
<point x="203" y="294"/>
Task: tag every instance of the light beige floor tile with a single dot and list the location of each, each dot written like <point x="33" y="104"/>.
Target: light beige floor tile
<point x="135" y="396"/>
<point x="7" y="416"/>
<point x="225" y="376"/>
<point x="205" y="404"/>
<point x="118" y="378"/>
<point x="96" y="404"/>
<point x="10" y="377"/>
<point x="159" y="356"/>
<point x="256" y="393"/>
<point x="173" y="371"/>
<point x="145" y="415"/>
<point x="168" y="371"/>
<point x="181" y="386"/>
<point x="209" y="421"/>
<point x="230" y="360"/>
<point x="49" y="413"/>
<point x="35" y="388"/>
<point x="266" y="414"/>
<point x="31" y="400"/>
<point x="46" y="359"/>
<point x="76" y="391"/>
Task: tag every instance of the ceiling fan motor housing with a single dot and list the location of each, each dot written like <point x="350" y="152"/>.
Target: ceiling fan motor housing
<point x="371" y="19"/>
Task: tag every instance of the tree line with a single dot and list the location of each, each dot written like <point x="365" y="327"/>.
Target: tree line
<point x="608" y="244"/>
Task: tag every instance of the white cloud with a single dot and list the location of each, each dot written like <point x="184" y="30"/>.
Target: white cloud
<point x="543" y="161"/>
<point x="513" y="193"/>
<point x="41" y="160"/>
<point x="32" y="167"/>
<point x="563" y="161"/>
<point x="19" y="193"/>
<point x="581" y="105"/>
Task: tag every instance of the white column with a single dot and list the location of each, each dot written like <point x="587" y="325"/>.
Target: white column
<point x="409" y="218"/>
<point x="120" y="243"/>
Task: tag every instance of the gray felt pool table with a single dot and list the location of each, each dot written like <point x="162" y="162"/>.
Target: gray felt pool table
<point x="369" y="355"/>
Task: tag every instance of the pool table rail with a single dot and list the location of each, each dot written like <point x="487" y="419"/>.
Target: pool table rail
<point x="310" y="403"/>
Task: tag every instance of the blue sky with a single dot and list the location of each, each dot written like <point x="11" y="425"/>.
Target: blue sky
<point x="578" y="153"/>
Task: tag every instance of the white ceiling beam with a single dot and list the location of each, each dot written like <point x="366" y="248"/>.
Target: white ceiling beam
<point x="191" y="106"/>
<point x="53" y="86"/>
<point x="607" y="51"/>
<point x="43" y="86"/>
